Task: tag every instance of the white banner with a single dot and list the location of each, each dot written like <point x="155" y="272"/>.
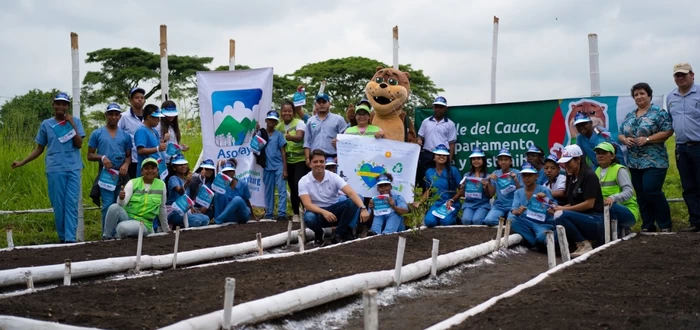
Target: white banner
<point x="362" y="159"/>
<point x="231" y="103"/>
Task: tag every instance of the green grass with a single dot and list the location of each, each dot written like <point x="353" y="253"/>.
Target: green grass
<point x="26" y="188"/>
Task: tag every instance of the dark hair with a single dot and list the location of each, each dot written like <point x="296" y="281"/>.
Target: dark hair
<point x="165" y="123"/>
<point x="389" y="176"/>
<point x="641" y="85"/>
<point x="541" y="154"/>
<point x="317" y="152"/>
<point x="171" y="172"/>
<point x="287" y="102"/>
<point x="484" y="169"/>
<point x="149" y="109"/>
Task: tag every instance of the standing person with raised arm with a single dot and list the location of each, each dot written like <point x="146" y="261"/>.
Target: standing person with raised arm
<point x="62" y="136"/>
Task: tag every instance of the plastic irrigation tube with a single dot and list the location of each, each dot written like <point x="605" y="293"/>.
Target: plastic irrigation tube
<point x="461" y="317"/>
<point x="116" y="265"/>
<point x="324" y="292"/>
<point x="13" y="322"/>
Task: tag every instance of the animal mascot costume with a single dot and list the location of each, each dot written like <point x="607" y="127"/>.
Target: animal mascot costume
<point x="387" y="92"/>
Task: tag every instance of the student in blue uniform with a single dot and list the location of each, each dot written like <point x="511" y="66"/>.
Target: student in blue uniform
<point x="111" y="147"/>
<point x="147" y="139"/>
<point x="445" y="179"/>
<point x="62" y="136"/>
<point x="275" y="173"/>
<point x="204" y="176"/>
<point x="234" y="205"/>
<point x="556" y="181"/>
<point x="476" y="199"/>
<point x="529" y="211"/>
<point x="535" y="156"/>
<point x="503" y="182"/>
<point x="177" y="183"/>
<point x="169" y="127"/>
<point x="392" y="221"/>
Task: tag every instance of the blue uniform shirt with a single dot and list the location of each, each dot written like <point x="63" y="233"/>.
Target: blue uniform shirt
<point x="587" y="144"/>
<point x="442" y="183"/>
<point x="470" y="202"/>
<point x="273" y="155"/>
<point x="173" y="183"/>
<point x="541" y="177"/>
<point x="652" y="122"/>
<point x="685" y="112"/>
<point x="147" y="138"/>
<point x="60" y="157"/>
<point x="320" y="132"/>
<point x="113" y="147"/>
<point x="520" y="199"/>
<point x="505" y="200"/>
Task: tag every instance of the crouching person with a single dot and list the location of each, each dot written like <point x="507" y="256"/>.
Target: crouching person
<point x="388" y="218"/>
<point x="178" y="183"/>
<point x="234" y="205"/>
<point x="318" y="191"/>
<point x="529" y="213"/>
<point x="142" y="199"/>
<point x="444" y="179"/>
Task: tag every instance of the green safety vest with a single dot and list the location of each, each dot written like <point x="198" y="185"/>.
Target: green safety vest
<point x="369" y="130"/>
<point x="295" y="150"/>
<point x="610" y="186"/>
<point x="145" y="205"/>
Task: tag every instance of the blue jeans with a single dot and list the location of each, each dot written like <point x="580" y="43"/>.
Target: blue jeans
<point x="653" y="206"/>
<point x="108" y="198"/>
<point x="688" y="162"/>
<point x="582" y="226"/>
<point x="494" y="214"/>
<point x="273" y="179"/>
<point x="193" y="219"/>
<point x="117" y="223"/>
<point x="346" y="213"/>
<point x="388" y="223"/>
<point x="474" y="216"/>
<point x="235" y="211"/>
<point x="532" y="232"/>
<point x="625" y="218"/>
<point x="64" y="188"/>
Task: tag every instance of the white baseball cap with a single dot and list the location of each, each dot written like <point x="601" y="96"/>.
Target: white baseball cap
<point x="569" y="153"/>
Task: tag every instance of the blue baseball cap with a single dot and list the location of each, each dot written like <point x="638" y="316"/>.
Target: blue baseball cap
<point x="137" y="90"/>
<point x="552" y="158"/>
<point x="208" y="164"/>
<point x="179" y="159"/>
<point x="228" y="166"/>
<point x="440" y="100"/>
<point x="383" y="179"/>
<point x="476" y="152"/>
<point x="273" y="115"/>
<point x="113" y="107"/>
<point x="330" y="162"/>
<point x="504" y="152"/>
<point x="62" y="97"/>
<point x="528" y="168"/>
<point x="323" y="96"/>
<point x="170" y="111"/>
<point x="534" y="150"/>
<point x="364" y="100"/>
<point x="441" y="149"/>
<point x="581" y="118"/>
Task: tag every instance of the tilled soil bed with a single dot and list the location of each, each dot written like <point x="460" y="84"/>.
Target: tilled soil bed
<point x="648" y="282"/>
<point x="173" y="296"/>
<point x="155" y="245"/>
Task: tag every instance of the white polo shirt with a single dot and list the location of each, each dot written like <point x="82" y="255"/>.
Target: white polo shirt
<point x="130" y="124"/>
<point x="436" y="132"/>
<point x="324" y="193"/>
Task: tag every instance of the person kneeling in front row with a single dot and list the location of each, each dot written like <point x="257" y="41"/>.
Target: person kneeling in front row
<point x="142" y="199"/>
<point x="234" y="205"/>
<point x="318" y="191"/>
<point x="529" y="212"/>
<point x="388" y="218"/>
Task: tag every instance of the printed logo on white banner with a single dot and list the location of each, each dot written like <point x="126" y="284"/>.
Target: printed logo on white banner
<point x="233" y="115"/>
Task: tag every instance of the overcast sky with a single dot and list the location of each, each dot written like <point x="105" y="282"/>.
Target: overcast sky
<point x="542" y="49"/>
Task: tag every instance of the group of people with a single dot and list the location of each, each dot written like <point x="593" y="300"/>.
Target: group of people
<point x="137" y="147"/>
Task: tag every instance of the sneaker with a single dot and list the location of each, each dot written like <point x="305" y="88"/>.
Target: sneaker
<point x="337" y="239"/>
<point x="295" y="218"/>
<point x="691" y="229"/>
<point x="581" y="248"/>
<point x="319" y="242"/>
<point x="666" y="230"/>
<point x="371" y="233"/>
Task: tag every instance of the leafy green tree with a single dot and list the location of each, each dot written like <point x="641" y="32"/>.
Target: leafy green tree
<point x="22" y="115"/>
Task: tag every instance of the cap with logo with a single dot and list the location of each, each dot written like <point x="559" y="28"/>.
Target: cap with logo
<point x="62" y="97"/>
<point x="330" y="162"/>
<point x="323" y="96"/>
<point x="179" y="159"/>
<point x="477" y="152"/>
<point x="362" y="107"/>
<point x="228" y="166"/>
<point x="528" y="169"/>
<point x="551" y="158"/>
<point x="383" y="179"/>
<point x="682" y="68"/>
<point x="534" y="150"/>
<point x="136" y="90"/>
<point x="157" y="114"/>
<point x="581" y="118"/>
<point x="113" y="107"/>
<point x="273" y="115"/>
<point x="441" y="149"/>
<point x="569" y="153"/>
<point x="169" y="111"/>
<point x="504" y="152"/>
<point x="208" y="164"/>
<point x="605" y="146"/>
<point x="440" y="100"/>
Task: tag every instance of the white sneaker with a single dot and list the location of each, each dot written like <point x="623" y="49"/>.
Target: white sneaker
<point x="295" y="218"/>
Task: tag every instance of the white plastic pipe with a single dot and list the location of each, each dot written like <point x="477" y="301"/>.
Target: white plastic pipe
<point x="75" y="65"/>
<point x="613" y="228"/>
<point x="504" y="245"/>
<point x="497" y="242"/>
<point x="371" y="312"/>
<point x="13" y="322"/>
<point x="139" y="246"/>
<point x="229" y="292"/>
<point x="10" y="241"/>
<point x="231" y="55"/>
<point x="563" y="244"/>
<point x="494" y="55"/>
<point x="606" y="224"/>
<point x="318" y="294"/>
<point x="177" y="244"/>
<point x="395" y="38"/>
<point x="551" y="254"/>
<point x="121" y="264"/>
<point x="67" y="273"/>
<point x="434" y="255"/>
<point x="399" y="260"/>
<point x="593" y="62"/>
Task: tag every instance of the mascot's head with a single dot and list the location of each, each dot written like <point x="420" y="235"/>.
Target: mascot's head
<point x="388" y="90"/>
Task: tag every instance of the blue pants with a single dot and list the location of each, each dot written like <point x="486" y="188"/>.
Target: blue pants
<point x="474" y="216"/>
<point x="494" y="214"/>
<point x="532" y="232"/>
<point x="688" y="163"/>
<point x="625" y="218"/>
<point x="64" y="188"/>
<point x="235" y="211"/>
<point x="582" y="226"/>
<point x="108" y="198"/>
<point x="388" y="223"/>
<point x="272" y="180"/>
<point x="431" y="221"/>
<point x="193" y="219"/>
<point x="346" y="213"/>
<point x="653" y="206"/>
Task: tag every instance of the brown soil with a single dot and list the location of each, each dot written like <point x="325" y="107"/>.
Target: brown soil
<point x="648" y="282"/>
<point x="173" y="296"/>
<point x="156" y="245"/>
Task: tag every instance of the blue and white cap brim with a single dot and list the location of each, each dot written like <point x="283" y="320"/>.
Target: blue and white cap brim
<point x="441" y="152"/>
<point x="169" y="112"/>
<point x="61" y="98"/>
<point x="180" y="161"/>
<point x="272" y="117"/>
<point x="113" y="109"/>
<point x="157" y="114"/>
<point x="528" y="170"/>
<point x="384" y="182"/>
<point x="208" y="166"/>
<point x="582" y="120"/>
<point x="477" y="154"/>
<point x="505" y="154"/>
<point x="331" y="164"/>
<point x="227" y="168"/>
<point x="439" y="103"/>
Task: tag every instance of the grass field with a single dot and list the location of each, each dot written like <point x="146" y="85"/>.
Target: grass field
<point x="26" y="188"/>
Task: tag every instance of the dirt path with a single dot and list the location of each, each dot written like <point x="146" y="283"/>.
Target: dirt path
<point x="172" y="296"/>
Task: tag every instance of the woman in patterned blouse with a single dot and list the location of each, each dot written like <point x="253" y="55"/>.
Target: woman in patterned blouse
<point x="644" y="132"/>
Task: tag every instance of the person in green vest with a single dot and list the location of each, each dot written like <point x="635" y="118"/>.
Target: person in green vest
<point x="293" y="129"/>
<point x="363" y="127"/>
<point x="616" y="186"/>
<point x="141" y="200"/>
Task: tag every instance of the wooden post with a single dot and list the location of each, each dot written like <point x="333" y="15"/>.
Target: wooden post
<point x="164" y="71"/>
<point x="289" y="233"/>
<point x="10" y="241"/>
<point x="399" y="260"/>
<point x="29" y="279"/>
<point x="498" y="234"/>
<point x="434" y="255"/>
<point x="395" y="38"/>
<point x="606" y="224"/>
<point x="369" y="302"/>
<point x="563" y="244"/>
<point x="613" y="228"/>
<point x="67" y="273"/>
<point x="177" y="244"/>
<point x="139" y="245"/>
<point x="505" y="244"/>
<point x="551" y="254"/>
<point x="258" y="237"/>
<point x="75" y="64"/>
<point x="229" y="292"/>
<point x="300" y="238"/>
<point x="231" y="55"/>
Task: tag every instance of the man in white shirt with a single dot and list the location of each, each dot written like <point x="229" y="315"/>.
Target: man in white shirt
<point x="318" y="191"/>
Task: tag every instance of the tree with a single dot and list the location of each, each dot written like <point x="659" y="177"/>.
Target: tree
<point x="22" y="115"/>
